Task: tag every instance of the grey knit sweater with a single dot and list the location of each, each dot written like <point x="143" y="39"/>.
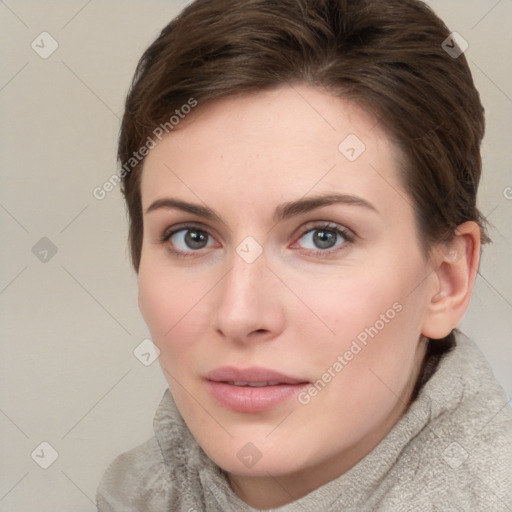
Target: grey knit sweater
<point x="451" y="451"/>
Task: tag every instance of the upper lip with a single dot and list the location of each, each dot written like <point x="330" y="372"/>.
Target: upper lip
<point x="252" y="374"/>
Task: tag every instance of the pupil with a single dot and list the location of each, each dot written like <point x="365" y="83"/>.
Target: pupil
<point x="324" y="239"/>
<point x="196" y="239"/>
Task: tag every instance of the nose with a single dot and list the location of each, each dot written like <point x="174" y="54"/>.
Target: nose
<point x="248" y="302"/>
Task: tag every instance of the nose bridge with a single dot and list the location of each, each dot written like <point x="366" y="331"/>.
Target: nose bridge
<point x="245" y="281"/>
<point x="245" y="302"/>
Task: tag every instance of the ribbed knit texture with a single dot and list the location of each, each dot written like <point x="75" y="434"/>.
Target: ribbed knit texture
<point x="451" y="451"/>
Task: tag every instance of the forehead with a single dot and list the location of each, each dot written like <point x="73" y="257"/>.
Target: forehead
<point x="276" y="144"/>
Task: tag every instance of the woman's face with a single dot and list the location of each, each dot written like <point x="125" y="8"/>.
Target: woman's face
<point x="280" y="250"/>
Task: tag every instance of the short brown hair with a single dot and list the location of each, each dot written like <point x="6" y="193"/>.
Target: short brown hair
<point x="386" y="55"/>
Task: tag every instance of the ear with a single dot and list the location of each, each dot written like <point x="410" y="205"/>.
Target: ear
<point x="455" y="268"/>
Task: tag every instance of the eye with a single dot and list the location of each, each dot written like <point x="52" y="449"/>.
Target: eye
<point x="185" y="240"/>
<point x="324" y="238"/>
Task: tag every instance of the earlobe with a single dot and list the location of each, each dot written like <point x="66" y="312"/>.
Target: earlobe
<point x="454" y="275"/>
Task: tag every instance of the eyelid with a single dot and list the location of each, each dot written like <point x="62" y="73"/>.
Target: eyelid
<point x="346" y="233"/>
<point x="164" y="238"/>
<point x="171" y="230"/>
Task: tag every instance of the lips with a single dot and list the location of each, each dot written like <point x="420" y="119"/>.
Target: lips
<point x="251" y="390"/>
<point x="250" y="375"/>
<point x="255" y="384"/>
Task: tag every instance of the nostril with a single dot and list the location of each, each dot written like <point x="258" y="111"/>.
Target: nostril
<point x="260" y="330"/>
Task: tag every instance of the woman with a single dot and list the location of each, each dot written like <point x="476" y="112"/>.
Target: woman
<point x="301" y="182"/>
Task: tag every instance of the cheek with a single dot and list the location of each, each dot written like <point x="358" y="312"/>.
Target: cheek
<point x="365" y="366"/>
<point x="369" y="315"/>
<point x="349" y="302"/>
<point x="174" y="308"/>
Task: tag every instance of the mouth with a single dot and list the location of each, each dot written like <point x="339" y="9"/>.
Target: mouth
<point x="254" y="384"/>
<point x="252" y="390"/>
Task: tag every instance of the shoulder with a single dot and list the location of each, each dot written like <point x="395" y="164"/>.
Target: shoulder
<point x="477" y="442"/>
<point x="464" y="455"/>
<point x="135" y="480"/>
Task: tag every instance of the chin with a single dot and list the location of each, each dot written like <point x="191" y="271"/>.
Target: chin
<point x="259" y="458"/>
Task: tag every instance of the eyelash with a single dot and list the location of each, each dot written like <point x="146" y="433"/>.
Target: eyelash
<point x="328" y="226"/>
<point x="347" y="236"/>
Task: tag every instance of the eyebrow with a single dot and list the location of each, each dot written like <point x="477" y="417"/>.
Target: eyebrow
<point x="282" y="211"/>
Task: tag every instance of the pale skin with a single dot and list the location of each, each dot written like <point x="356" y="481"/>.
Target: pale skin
<point x="298" y="306"/>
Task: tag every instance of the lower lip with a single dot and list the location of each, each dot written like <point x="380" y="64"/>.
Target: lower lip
<point x="252" y="399"/>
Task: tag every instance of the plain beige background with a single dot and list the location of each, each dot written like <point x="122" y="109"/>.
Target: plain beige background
<point x="70" y="324"/>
